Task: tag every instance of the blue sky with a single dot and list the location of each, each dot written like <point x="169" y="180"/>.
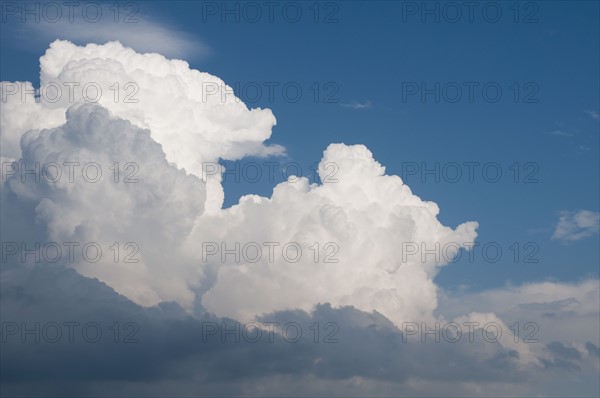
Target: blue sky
<point x="370" y="54"/>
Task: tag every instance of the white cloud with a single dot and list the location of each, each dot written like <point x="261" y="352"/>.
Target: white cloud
<point x="193" y="115"/>
<point x="556" y="307"/>
<point x="358" y="105"/>
<point x="101" y="23"/>
<point x="576" y="225"/>
<point x="366" y="213"/>
<point x="19" y="116"/>
<point x="155" y="211"/>
<point x="593" y="114"/>
<point x="560" y="133"/>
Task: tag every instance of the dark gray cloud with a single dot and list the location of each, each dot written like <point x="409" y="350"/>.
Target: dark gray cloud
<point x="592" y="348"/>
<point x="562" y="356"/>
<point x="167" y="344"/>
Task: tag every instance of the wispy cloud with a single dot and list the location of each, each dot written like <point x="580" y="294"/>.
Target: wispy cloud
<point x="358" y="105"/>
<point x="576" y="225"/>
<point x="593" y="114"/>
<point x="560" y="133"/>
<point x="143" y="34"/>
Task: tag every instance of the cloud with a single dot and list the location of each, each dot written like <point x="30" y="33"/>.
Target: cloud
<point x="160" y="209"/>
<point x="100" y="23"/>
<point x="358" y="216"/>
<point x="358" y="105"/>
<point x="555" y="307"/>
<point x="367" y="215"/>
<point x="560" y="133"/>
<point x="168" y="354"/>
<point x="359" y="219"/>
<point x="158" y="205"/>
<point x="593" y="114"/>
<point x="193" y="115"/>
<point x="576" y="225"/>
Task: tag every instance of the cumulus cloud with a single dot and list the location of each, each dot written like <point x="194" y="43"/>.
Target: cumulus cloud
<point x="369" y="216"/>
<point x="131" y="194"/>
<point x="194" y="116"/>
<point x="348" y="262"/>
<point x="193" y="123"/>
<point x="576" y="225"/>
<point x="361" y="220"/>
<point x="16" y="118"/>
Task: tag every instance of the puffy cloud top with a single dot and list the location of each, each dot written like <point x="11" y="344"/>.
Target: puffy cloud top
<point x="195" y="116"/>
<point x="350" y="231"/>
<point x="362" y="224"/>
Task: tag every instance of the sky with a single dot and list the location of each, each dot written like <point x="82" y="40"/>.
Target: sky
<point x="486" y="111"/>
